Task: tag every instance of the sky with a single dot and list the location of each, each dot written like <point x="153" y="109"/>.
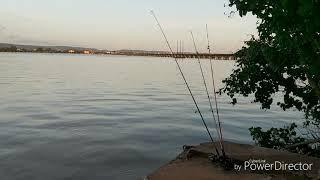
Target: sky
<point x="123" y="24"/>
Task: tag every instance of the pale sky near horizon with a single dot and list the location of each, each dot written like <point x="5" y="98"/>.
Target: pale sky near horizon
<point x="122" y="24"/>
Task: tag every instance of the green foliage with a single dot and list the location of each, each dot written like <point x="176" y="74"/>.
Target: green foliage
<point x="284" y="59"/>
<point x="39" y="49"/>
<point x="256" y="75"/>
<point x="281" y="138"/>
<point x="276" y="138"/>
<point x="290" y="26"/>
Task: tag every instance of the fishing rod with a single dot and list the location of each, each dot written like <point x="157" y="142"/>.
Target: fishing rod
<point x="177" y="48"/>
<point x="182" y="48"/>
<point x="214" y="93"/>
<point x="184" y="79"/>
<point x="206" y="87"/>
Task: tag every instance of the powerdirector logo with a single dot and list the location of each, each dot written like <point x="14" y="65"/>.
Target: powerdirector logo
<point x="263" y="165"/>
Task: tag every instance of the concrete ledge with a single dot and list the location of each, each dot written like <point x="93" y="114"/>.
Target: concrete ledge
<point x="193" y="164"/>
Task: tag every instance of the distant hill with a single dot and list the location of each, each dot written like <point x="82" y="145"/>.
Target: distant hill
<point x="56" y="48"/>
<point x="66" y="48"/>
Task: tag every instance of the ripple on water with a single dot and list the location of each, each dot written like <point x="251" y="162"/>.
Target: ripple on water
<point x="107" y="117"/>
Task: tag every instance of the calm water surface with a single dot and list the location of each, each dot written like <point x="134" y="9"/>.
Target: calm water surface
<point x="107" y="117"/>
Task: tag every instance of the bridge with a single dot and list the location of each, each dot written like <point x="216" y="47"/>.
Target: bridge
<point x="200" y="55"/>
<point x="181" y="55"/>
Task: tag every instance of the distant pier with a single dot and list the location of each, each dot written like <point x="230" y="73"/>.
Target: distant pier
<point x="182" y="55"/>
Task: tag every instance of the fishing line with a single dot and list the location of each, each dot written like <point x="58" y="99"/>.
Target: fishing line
<point x="205" y="84"/>
<point x="214" y="93"/>
<point x="184" y="79"/>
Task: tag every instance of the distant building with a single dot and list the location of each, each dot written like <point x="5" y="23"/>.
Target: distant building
<point x="87" y="52"/>
<point x="71" y="51"/>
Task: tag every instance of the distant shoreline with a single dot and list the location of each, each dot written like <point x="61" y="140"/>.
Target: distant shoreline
<point x="4" y="47"/>
<point x="178" y="56"/>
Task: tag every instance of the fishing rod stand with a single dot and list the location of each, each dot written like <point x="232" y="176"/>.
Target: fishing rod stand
<point x="223" y="160"/>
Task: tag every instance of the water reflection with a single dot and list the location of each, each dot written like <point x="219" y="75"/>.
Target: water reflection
<point x="107" y="117"/>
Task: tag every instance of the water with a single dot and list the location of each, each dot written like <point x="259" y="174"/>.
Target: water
<point x="108" y="117"/>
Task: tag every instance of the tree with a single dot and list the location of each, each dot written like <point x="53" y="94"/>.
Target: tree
<point x="12" y="49"/>
<point x="40" y="49"/>
<point x="284" y="58"/>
